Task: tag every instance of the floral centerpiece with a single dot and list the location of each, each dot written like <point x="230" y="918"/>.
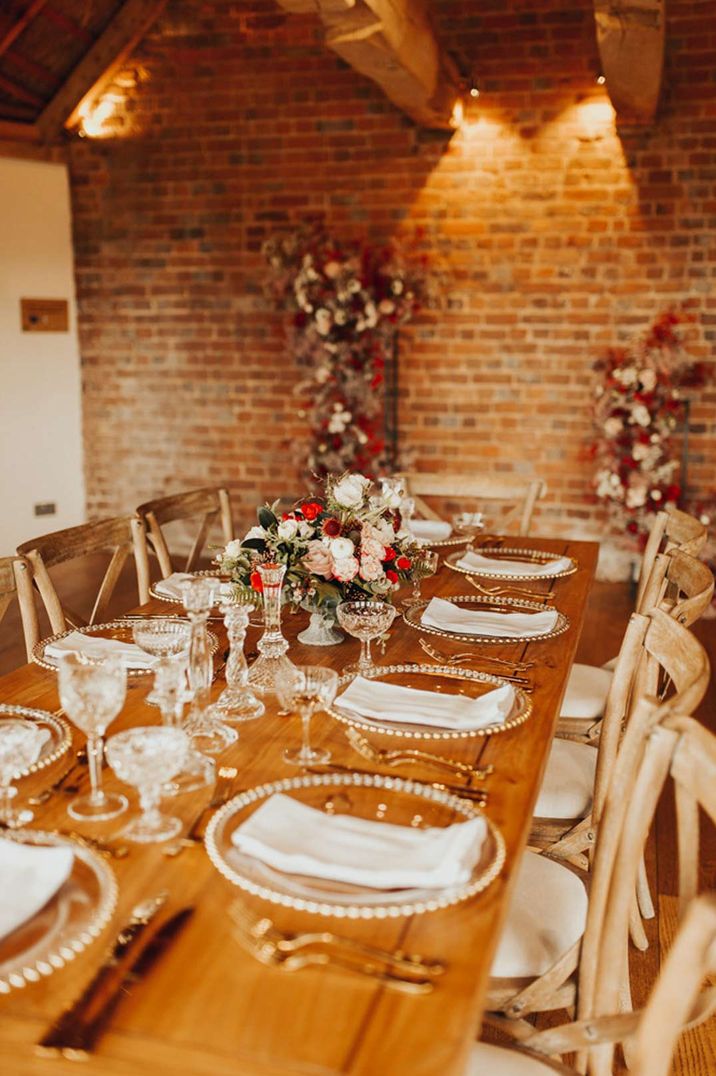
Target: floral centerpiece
<point x="346" y="543"/>
<point x="639" y="401"/>
<point x="347" y="302"/>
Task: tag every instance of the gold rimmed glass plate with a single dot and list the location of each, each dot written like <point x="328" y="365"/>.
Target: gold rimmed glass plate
<point x="113" y="629"/>
<point x="529" y="556"/>
<point x="57" y="736"/>
<point x="369" y="796"/>
<point x="412" y="617"/>
<point x="209" y="573"/>
<point x="67" y="924"/>
<point x="448" y="680"/>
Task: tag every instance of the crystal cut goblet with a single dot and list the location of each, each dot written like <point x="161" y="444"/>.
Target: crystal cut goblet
<point x="146" y="758"/>
<point x="365" y="620"/>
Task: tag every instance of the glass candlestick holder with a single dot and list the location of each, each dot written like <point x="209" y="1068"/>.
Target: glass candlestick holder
<point x="207" y="733"/>
<point x="169" y="687"/>
<point x="272" y="646"/>
<point x="237" y="702"/>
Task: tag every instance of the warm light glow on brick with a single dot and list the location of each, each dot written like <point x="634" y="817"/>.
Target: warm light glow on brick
<point x="95" y="120"/>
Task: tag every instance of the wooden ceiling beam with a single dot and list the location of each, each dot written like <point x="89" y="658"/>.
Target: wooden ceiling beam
<point x="392" y="43"/>
<point x="630" y="36"/>
<point x="99" y="66"/>
<point x="32" y="68"/>
<point x="14" y="31"/>
<point x="18" y="132"/>
<point x="67" y="25"/>
<point x="19" y="92"/>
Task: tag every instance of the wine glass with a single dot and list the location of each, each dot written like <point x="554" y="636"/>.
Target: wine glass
<point x="366" y="620"/>
<point x="19" y="748"/>
<point x="305" y="689"/>
<point x="166" y="639"/>
<point x="424" y="566"/>
<point x="468" y="525"/>
<point x="92" y="693"/>
<point x="146" y="758"/>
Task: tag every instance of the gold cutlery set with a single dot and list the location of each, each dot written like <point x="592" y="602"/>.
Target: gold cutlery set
<point x="513" y="592"/>
<point x="223" y="791"/>
<point x="469" y="656"/>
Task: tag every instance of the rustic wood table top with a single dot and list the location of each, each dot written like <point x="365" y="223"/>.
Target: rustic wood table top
<point x="209" y="1008"/>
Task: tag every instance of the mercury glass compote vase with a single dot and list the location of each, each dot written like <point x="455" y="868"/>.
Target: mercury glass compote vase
<point x="272" y="646"/>
<point x="207" y="733"/>
<point x="237" y="702"/>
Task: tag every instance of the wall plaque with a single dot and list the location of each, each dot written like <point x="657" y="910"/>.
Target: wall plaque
<point x="44" y="315"/>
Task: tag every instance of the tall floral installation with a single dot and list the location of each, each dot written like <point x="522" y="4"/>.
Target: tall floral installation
<point x="345" y="543"/>
<point x="639" y="403"/>
<point x="346" y="301"/>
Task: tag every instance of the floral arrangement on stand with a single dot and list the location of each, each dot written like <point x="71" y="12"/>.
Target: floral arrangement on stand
<point x="347" y="543"/>
<point x="639" y="401"/>
<point x="347" y="302"/>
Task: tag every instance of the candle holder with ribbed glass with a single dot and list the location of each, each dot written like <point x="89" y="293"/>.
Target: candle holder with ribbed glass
<point x="237" y="702"/>
<point x="272" y="646"/>
<point x="207" y="733"/>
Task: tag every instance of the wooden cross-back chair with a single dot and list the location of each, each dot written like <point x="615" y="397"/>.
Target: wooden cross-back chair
<point x="210" y="505"/>
<point x="14" y="576"/>
<point x="676" y="1002"/>
<point x="671" y="529"/>
<point x="551" y="924"/>
<point x="120" y="537"/>
<point x="516" y="496"/>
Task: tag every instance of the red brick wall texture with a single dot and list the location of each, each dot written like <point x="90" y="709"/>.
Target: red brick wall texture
<point x="557" y="235"/>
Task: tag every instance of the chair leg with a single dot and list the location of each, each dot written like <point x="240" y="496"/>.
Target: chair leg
<point x="636" y="927"/>
<point x="646" y="905"/>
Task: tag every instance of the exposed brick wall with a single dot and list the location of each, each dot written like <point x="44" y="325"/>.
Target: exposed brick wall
<point x="558" y="237"/>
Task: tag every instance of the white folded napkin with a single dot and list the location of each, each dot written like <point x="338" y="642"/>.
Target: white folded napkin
<point x="171" y="586"/>
<point x="95" y="646"/>
<point x="450" y="617"/>
<point x="475" y="562"/>
<point x="394" y="702"/>
<point x="297" y="839"/>
<point x="430" y="530"/>
<point x="30" y="875"/>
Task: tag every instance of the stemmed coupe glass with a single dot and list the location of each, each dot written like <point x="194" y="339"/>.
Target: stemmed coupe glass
<point x="92" y="693"/>
<point x="146" y="758"/>
<point x="468" y="525"/>
<point x="304" y="689"/>
<point x="366" y="620"/>
<point x="423" y="567"/>
<point x="19" y="748"/>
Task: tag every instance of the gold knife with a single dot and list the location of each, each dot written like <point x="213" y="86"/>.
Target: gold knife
<point x="66" y="1035"/>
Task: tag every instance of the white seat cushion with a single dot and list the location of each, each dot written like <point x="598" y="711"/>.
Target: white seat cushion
<point x="488" y="1060"/>
<point x="547" y="915"/>
<point x="568" y="785"/>
<point x="586" y="694"/>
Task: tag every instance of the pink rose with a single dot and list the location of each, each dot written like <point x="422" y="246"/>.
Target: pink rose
<point x="318" y="560"/>
<point x="345" y="570"/>
<point x="371" y="568"/>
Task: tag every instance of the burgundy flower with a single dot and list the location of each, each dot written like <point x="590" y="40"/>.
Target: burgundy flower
<point x="331" y="527"/>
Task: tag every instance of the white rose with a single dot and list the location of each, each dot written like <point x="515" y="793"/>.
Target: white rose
<point x="627" y="375"/>
<point x="323" y="321"/>
<point x="233" y="549"/>
<point x="349" y="492"/>
<point x="341" y="548"/>
<point x="640" y="415"/>
<point x="635" y="497"/>
<point x="305" y="529"/>
<point x="648" y="379"/>
<point x="656" y="495"/>
<point x="255" y="532"/>
<point x="288" y="529"/>
<point x="640" y="452"/>
<point x="612" y="426"/>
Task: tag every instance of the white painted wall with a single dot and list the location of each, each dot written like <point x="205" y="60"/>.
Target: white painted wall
<point x="40" y="393"/>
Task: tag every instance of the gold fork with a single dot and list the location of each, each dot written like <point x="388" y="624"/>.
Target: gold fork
<point x="413" y="755"/>
<point x="455" y="659"/>
<point x="264" y="929"/>
<point x="222" y="791"/>
<point x="500" y="592"/>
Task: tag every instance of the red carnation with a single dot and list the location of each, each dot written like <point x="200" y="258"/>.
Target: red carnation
<point x="393" y="576"/>
<point x="388" y="553"/>
<point x="403" y="563"/>
<point x="311" y="509"/>
<point x="331" y="527"/>
<point x="256" y="581"/>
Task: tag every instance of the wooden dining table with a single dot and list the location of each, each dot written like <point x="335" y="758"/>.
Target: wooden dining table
<point x="208" y="1007"/>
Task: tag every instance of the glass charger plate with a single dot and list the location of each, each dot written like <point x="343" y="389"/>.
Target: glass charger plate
<point x="535" y="556"/>
<point x="113" y="629"/>
<point x="432" y="678"/>
<point x="412" y="616"/>
<point x="67" y="924"/>
<point x="209" y="573"/>
<point x="372" y="796"/>
<point x="54" y="747"/>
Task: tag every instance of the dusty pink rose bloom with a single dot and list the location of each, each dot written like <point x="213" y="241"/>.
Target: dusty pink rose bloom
<point x="345" y="570"/>
<point x="318" y="560"/>
<point x="371" y="568"/>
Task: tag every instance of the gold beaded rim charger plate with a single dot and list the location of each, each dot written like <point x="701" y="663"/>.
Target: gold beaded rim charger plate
<point x="405" y="675"/>
<point x="370" y="796"/>
<point x="209" y="573"/>
<point x="55" y="746"/>
<point x="113" y="629"/>
<point x="412" y="616"/>
<point x="67" y="924"/>
<point x="536" y="556"/>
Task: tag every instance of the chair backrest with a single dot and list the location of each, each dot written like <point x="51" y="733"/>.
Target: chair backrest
<point x="671" y="529"/>
<point x="209" y="505"/>
<point x="515" y="498"/>
<point x="15" y="575"/>
<point x="119" y="536"/>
